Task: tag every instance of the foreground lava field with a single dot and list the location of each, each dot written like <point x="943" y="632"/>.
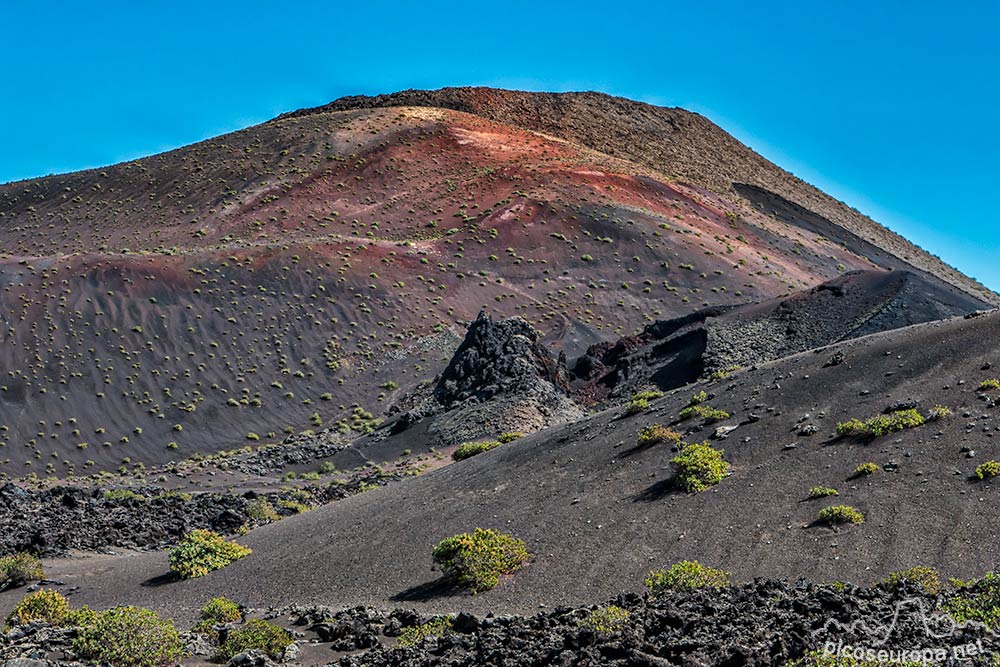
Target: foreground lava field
<point x="307" y="334"/>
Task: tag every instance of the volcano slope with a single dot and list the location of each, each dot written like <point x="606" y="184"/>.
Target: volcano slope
<point x="310" y="270"/>
<point x="598" y="511"/>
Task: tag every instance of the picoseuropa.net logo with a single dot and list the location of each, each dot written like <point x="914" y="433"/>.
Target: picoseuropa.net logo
<point x="914" y="633"/>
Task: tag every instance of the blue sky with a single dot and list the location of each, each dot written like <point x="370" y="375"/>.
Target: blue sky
<point x="890" y="106"/>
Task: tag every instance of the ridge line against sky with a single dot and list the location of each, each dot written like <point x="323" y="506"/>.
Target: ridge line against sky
<point x="891" y="108"/>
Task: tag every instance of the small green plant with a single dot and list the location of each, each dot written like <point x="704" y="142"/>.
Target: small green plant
<point x="477" y="560"/>
<point x="201" y="551"/>
<point x="879" y="425"/>
<point x="977" y="600"/>
<point x="254" y="634"/>
<point x="130" y="637"/>
<point x="938" y="412"/>
<point x="218" y="611"/>
<point x="510" y="436"/>
<point x="840" y="514"/>
<point x="413" y="635"/>
<point x="636" y="406"/>
<point x="866" y="469"/>
<point x="698" y="398"/>
<point x="699" y="466"/>
<point x="702" y="411"/>
<point x="822" y="492"/>
<point x="123" y="494"/>
<point x="687" y="575"/>
<point x="261" y="509"/>
<point x="19" y="569"/>
<point x="927" y="577"/>
<point x="44" y="605"/>
<point x="654" y="434"/>
<point x="469" y="449"/>
<point x="992" y="384"/>
<point x="988" y="470"/>
<point x="605" y="620"/>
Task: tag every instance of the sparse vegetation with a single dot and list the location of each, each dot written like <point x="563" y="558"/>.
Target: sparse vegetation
<point x="657" y="433"/>
<point x="702" y="411"/>
<point x="44" y="605"/>
<point x="469" y="449"/>
<point x="606" y="620"/>
<point x="687" y="575"/>
<point x="257" y="634"/>
<point x="988" y="470"/>
<point x="977" y="600"/>
<point x="840" y="514"/>
<point x="477" y="560"/>
<point x="992" y="384"/>
<point x="130" y="637"/>
<point x="19" y="569"/>
<point x="880" y="425"/>
<point x="413" y="635"/>
<point x="822" y="492"/>
<point x="927" y="577"/>
<point x="866" y="469"/>
<point x="699" y="466"/>
<point x="201" y="551"/>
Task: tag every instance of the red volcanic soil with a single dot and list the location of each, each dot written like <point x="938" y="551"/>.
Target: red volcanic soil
<point x="308" y="270"/>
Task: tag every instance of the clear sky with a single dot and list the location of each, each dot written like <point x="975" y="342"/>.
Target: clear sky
<point x="892" y="106"/>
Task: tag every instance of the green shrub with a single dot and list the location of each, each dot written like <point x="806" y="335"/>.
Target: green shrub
<point x="687" y="575"/>
<point x="636" y="405"/>
<point x="221" y="610"/>
<point x="130" y="637"/>
<point x="477" y="560"/>
<point x="123" y="494"/>
<point x="44" y="605"/>
<point x="606" y="620"/>
<point x="706" y="412"/>
<point x="261" y="509"/>
<point x="469" y="449"/>
<point x="415" y="634"/>
<point x="19" y="569"/>
<point x="838" y="514"/>
<point x="927" y="577"/>
<point x="880" y="425"/>
<point x="866" y="469"/>
<point x="254" y="634"/>
<point x="648" y="395"/>
<point x="201" y="551"/>
<point x="991" y="384"/>
<point x="825" y="659"/>
<point x="699" y="466"/>
<point x="822" y="492"/>
<point x="938" y="412"/>
<point x="657" y="433"/>
<point x="698" y="398"/>
<point x="509" y="436"/>
<point x="978" y="601"/>
<point x="988" y="469"/>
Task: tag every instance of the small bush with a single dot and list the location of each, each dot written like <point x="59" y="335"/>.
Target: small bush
<point x="927" y="577"/>
<point x="839" y="514"/>
<point x="879" y="425"/>
<point x="19" y="569"/>
<point x="636" y="405"/>
<point x="477" y="560"/>
<point x="44" y="605"/>
<point x="469" y="449"/>
<point x="130" y="637"/>
<point x="261" y="509"/>
<point x="606" y="620"/>
<point x="648" y="395"/>
<point x="988" y="470"/>
<point x="413" y="635"/>
<point x="698" y="398"/>
<point x="201" y="551"/>
<point x="989" y="385"/>
<point x="699" y="466"/>
<point x="938" y="412"/>
<point x="221" y="610"/>
<point x="687" y="575"/>
<point x="254" y="634"/>
<point x="822" y="492"/>
<point x="706" y="412"/>
<point x="510" y="436"/>
<point x="654" y="434"/>
<point x="977" y="601"/>
<point x="866" y="469"/>
<point x="123" y="494"/>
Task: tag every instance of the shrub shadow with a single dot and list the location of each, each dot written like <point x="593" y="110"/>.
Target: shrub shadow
<point x="160" y="580"/>
<point x="657" y="491"/>
<point x="441" y="587"/>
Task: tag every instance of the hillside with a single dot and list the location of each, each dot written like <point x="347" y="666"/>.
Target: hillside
<point x="310" y="271"/>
